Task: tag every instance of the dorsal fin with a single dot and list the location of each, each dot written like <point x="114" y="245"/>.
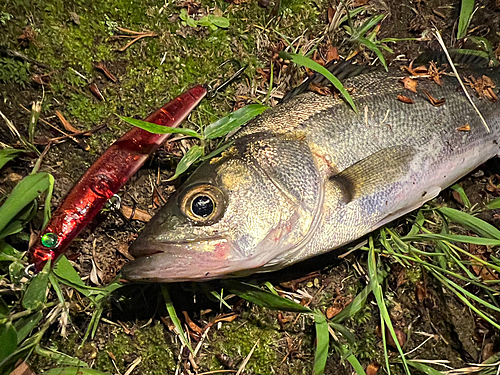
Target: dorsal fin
<point x="467" y="57"/>
<point x="340" y="69"/>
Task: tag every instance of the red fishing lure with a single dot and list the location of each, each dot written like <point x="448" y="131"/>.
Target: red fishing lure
<point x="106" y="176"/>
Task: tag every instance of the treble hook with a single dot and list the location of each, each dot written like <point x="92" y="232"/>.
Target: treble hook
<point x="212" y="92"/>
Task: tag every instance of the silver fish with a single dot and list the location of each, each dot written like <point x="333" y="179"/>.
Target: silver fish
<point x="311" y="175"/>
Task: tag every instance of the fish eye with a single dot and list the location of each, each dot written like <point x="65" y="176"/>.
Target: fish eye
<point x="203" y="203"/>
<point x="202" y="206"/>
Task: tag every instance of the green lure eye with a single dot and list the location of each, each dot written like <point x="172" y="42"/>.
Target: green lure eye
<point x="49" y="240"/>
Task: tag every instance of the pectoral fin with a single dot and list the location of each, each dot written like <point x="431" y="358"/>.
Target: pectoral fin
<point x="373" y="173"/>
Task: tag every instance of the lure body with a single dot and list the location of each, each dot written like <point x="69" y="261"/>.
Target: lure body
<point x="107" y="175"/>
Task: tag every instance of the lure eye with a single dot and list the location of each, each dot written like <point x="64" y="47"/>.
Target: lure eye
<point x="203" y="204"/>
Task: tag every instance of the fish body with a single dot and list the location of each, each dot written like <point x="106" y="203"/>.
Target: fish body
<point x="311" y="175"/>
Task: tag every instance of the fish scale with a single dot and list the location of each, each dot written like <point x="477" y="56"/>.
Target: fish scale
<point x="311" y="175"/>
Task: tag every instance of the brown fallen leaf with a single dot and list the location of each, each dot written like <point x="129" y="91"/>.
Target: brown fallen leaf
<point x="483" y="86"/>
<point x="405" y="99"/>
<point x="420" y="291"/>
<point x="27" y="37"/>
<point x="409" y="84"/>
<point x="372" y="368"/>
<point x="338" y="305"/>
<point x="321" y="90"/>
<point x="318" y="58"/>
<point x="123" y="250"/>
<point x="95" y="91"/>
<point x="421" y="70"/>
<point x="400" y="335"/>
<point x="135" y="214"/>
<point x="435" y="102"/>
<point x="464" y="128"/>
<point x="192" y="325"/>
<point x="332" y="53"/>
<point x="492" y="186"/>
<point x="65" y="123"/>
<point x="331" y="13"/>
<point x="225" y="318"/>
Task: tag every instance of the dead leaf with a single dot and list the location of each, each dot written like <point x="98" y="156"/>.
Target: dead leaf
<point x="420" y="291"/>
<point x="27" y="37"/>
<point x="405" y="99"/>
<point x="192" y="325"/>
<point x="135" y="214"/>
<point x="123" y="249"/>
<point x="318" y="59"/>
<point x="95" y="91"/>
<point x="331" y="13"/>
<point x="338" y="305"/>
<point x="435" y="102"/>
<point x="225" y="318"/>
<point x="332" y="53"/>
<point x="491" y="186"/>
<point x="488" y="351"/>
<point x="464" y="128"/>
<point x="372" y="368"/>
<point x="457" y="197"/>
<point x="421" y="70"/>
<point x="401" y="278"/>
<point x="321" y="90"/>
<point x="169" y="324"/>
<point x="483" y="86"/>
<point x="66" y="123"/>
<point x="409" y="84"/>
<point x="400" y="335"/>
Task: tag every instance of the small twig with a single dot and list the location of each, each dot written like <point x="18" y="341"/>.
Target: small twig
<point x="247" y="358"/>
<point x="133" y="365"/>
<point x="135" y="40"/>
<point x="443" y="46"/>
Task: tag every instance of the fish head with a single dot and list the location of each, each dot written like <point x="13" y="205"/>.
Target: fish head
<point x="228" y="219"/>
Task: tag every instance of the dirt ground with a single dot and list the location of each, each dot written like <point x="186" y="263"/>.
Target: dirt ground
<point x="62" y="41"/>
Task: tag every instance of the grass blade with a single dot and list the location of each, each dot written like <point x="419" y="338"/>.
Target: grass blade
<point x="234" y="120"/>
<point x="493" y="204"/>
<point x="263" y="298"/>
<point x="465" y="18"/>
<point x="468" y="221"/>
<point x="424" y="368"/>
<point x="352" y="308"/>
<point x="24" y="193"/>
<point x="461" y="192"/>
<point x="369" y="44"/>
<point x="322" y="341"/>
<point x="8" y="154"/>
<point x="311" y="64"/>
<point x="173" y="316"/>
<point x="158" y="129"/>
<point x="193" y="154"/>
<point x="452" y="238"/>
<point x="36" y="293"/>
<point x="385" y="318"/>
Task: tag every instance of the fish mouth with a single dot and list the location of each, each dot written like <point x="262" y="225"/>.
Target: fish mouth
<point x="183" y="261"/>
